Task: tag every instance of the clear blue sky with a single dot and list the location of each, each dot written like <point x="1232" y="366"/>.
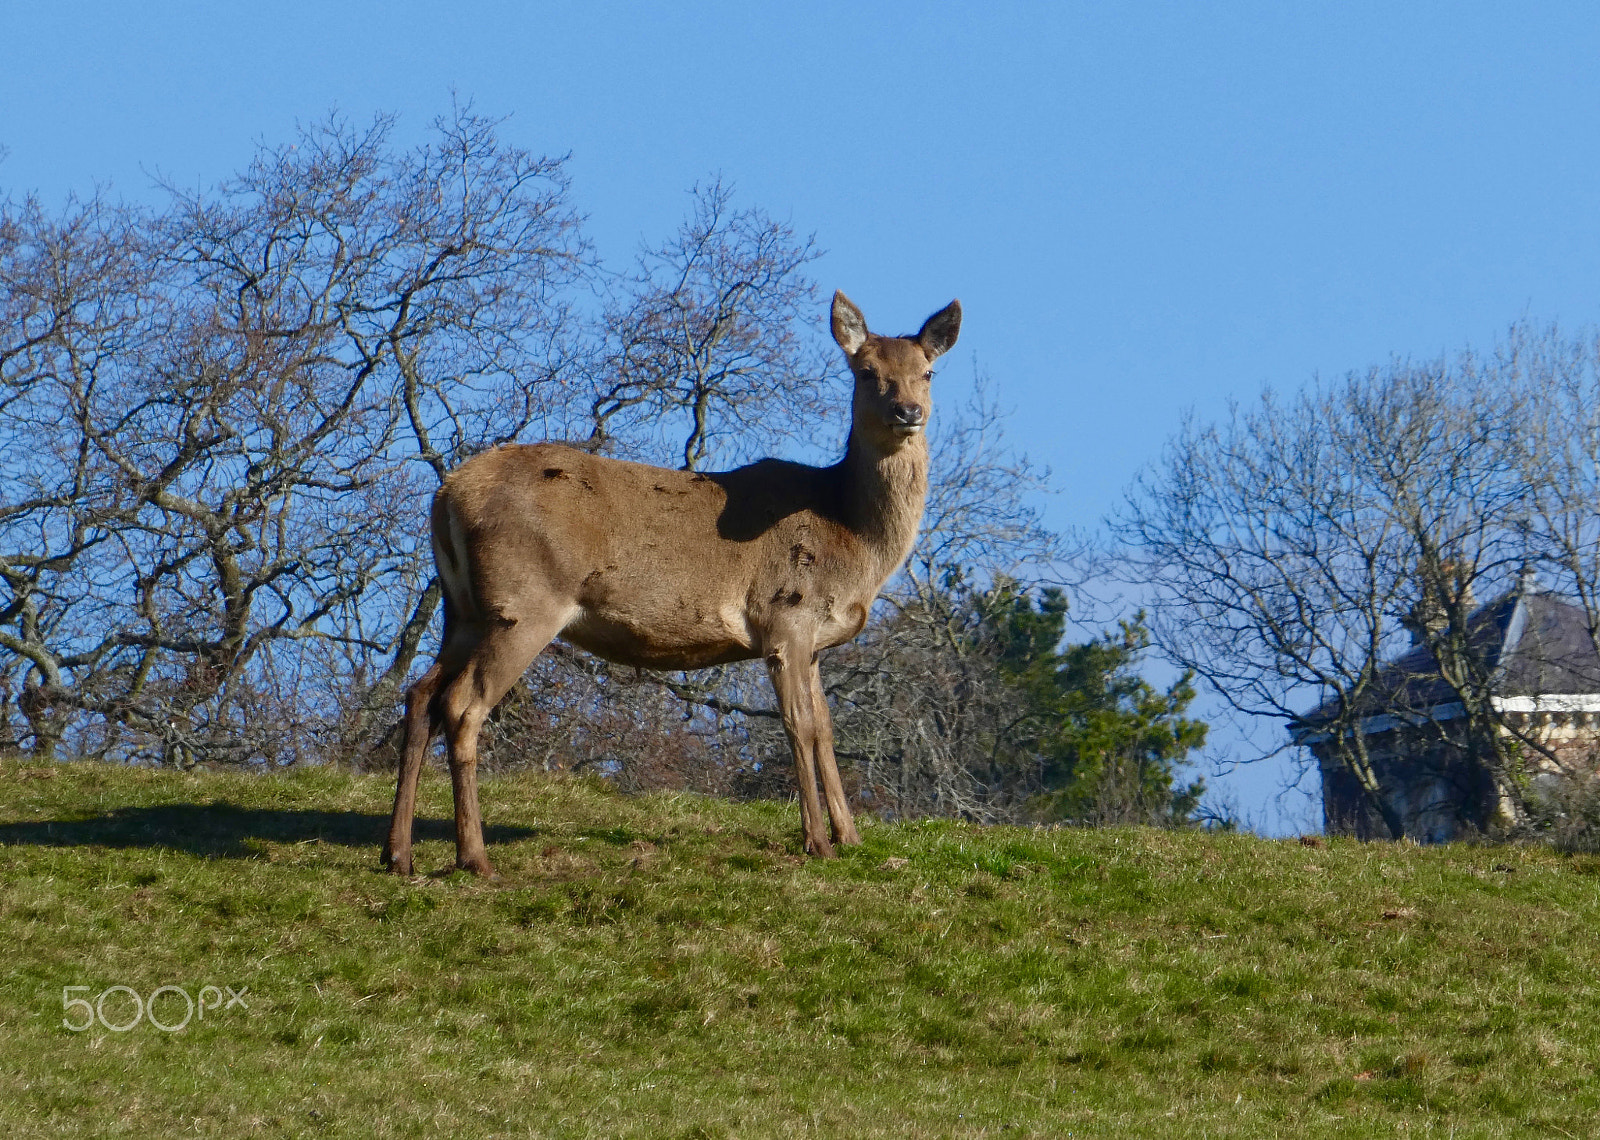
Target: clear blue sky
<point x="1143" y="207"/>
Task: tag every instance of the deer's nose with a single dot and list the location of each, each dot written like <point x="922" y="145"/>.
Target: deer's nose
<point x="908" y="415"/>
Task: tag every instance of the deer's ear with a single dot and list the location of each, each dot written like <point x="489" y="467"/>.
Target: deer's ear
<point x="939" y="331"/>
<point x="849" y="326"/>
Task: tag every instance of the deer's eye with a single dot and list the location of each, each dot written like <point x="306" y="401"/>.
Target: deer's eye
<point x="928" y="375"/>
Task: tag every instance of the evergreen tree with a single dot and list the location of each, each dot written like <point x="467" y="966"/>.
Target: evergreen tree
<point x="1105" y="743"/>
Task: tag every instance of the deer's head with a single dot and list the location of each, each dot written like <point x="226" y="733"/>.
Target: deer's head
<point x="894" y="374"/>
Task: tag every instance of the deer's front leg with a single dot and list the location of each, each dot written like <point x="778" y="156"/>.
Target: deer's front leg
<point x="789" y="666"/>
<point x="844" y="825"/>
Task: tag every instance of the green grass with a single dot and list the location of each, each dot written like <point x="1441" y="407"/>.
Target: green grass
<point x="668" y="966"/>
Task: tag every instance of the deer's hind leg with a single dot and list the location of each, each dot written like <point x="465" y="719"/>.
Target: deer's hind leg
<point x="500" y="657"/>
<point x="421" y="725"/>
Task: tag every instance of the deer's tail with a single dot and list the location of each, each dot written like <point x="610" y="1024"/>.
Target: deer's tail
<point x="450" y="558"/>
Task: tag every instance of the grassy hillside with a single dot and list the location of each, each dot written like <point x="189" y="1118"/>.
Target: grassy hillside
<point x="668" y="966"/>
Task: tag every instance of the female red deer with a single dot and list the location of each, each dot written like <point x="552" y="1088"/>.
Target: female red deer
<point x="675" y="570"/>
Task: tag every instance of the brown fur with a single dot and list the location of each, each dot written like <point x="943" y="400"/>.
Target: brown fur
<point x="675" y="570"/>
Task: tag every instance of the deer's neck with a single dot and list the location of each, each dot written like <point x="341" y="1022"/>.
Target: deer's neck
<point x="884" y="495"/>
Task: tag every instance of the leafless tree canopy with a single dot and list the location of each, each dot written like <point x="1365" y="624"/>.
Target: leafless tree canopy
<point x="1299" y="545"/>
<point x="702" y="342"/>
<point x="223" y="417"/>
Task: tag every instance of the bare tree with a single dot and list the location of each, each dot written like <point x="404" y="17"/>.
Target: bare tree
<point x="1325" y="555"/>
<point x="704" y="352"/>
<point x="1561" y="459"/>
<point x="219" y="416"/>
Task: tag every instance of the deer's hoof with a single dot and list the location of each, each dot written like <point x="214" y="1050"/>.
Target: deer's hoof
<point x="820" y="849"/>
<point x="479" y="867"/>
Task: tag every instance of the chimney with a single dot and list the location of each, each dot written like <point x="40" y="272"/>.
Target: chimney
<point x="1462" y="581"/>
<point x="1436" y="596"/>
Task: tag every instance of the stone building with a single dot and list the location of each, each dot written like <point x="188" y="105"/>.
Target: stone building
<point x="1543" y="676"/>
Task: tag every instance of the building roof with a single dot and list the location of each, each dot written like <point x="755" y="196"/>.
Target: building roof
<point x="1548" y="649"/>
<point x="1536" y="648"/>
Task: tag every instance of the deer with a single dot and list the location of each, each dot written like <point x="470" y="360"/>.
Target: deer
<point x="675" y="569"/>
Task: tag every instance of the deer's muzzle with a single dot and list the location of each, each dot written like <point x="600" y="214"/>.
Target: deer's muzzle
<point x="907" y="418"/>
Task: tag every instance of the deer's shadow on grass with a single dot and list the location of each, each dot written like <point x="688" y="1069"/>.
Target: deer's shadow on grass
<point x="228" y="831"/>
